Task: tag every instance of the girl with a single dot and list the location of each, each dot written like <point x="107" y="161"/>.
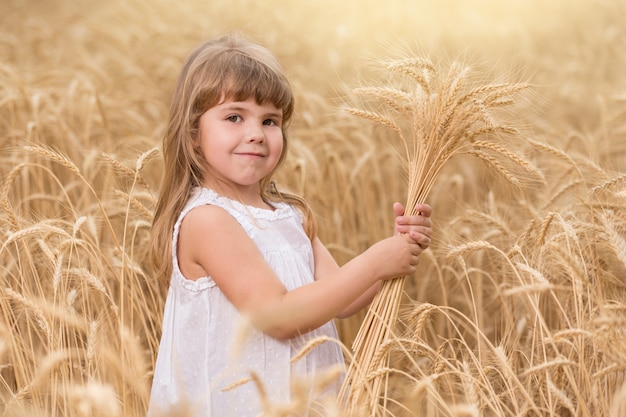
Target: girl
<point x="235" y="247"/>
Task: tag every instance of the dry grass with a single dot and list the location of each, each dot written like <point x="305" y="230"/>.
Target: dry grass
<point x="516" y="310"/>
<point x="436" y="116"/>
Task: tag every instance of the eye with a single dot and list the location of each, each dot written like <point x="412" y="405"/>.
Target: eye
<point x="234" y="118"/>
<point x="271" y="122"/>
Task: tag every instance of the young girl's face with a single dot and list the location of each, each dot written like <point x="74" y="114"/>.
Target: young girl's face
<point x="242" y="141"/>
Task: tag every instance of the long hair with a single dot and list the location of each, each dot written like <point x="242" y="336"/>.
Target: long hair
<point x="228" y="67"/>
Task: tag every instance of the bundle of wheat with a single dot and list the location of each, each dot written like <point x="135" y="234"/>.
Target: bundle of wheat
<point x="436" y="116"/>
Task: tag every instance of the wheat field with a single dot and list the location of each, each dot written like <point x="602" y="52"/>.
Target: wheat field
<point x="517" y="309"/>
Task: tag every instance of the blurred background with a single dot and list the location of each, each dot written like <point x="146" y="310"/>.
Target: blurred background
<point x="84" y="93"/>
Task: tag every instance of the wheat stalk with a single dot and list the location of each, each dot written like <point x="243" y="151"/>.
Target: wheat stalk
<point x="436" y="117"/>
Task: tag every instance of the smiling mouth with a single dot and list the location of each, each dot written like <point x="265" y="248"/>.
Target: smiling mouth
<point x="251" y="154"/>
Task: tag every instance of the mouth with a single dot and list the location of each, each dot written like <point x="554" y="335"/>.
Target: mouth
<point x="251" y="154"/>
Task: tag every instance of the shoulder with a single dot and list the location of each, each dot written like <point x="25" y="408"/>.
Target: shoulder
<point x="209" y="237"/>
<point x="207" y="216"/>
<point x="208" y="226"/>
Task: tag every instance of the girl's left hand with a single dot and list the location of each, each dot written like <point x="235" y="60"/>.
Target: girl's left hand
<point x="419" y="227"/>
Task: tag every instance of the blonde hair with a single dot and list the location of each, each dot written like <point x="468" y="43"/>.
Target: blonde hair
<point x="228" y="67"/>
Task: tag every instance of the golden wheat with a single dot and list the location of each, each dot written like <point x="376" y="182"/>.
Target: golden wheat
<point x="518" y="306"/>
<point x="441" y="123"/>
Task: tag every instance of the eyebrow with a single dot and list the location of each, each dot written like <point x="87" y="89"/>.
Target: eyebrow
<point x="274" y="115"/>
<point x="237" y="108"/>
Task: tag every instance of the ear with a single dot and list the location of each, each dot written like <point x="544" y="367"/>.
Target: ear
<point x="196" y="132"/>
<point x="194" y="142"/>
<point x="196" y="135"/>
<point x="196" y="148"/>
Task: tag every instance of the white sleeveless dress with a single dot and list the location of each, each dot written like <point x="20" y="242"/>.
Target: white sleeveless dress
<point x="199" y="354"/>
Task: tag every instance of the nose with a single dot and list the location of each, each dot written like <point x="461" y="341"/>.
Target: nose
<point x="255" y="134"/>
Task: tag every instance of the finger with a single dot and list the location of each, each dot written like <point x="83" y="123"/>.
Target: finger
<point x="415" y="248"/>
<point x="423" y="241"/>
<point x="414" y="223"/>
<point x="422" y="233"/>
<point x="418" y="236"/>
<point x="418" y="220"/>
<point x="398" y="209"/>
<point x="424" y="210"/>
<point x="411" y="237"/>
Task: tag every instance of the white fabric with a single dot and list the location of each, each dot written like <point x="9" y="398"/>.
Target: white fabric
<point x="198" y="355"/>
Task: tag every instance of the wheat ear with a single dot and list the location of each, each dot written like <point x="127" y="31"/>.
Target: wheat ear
<point x="436" y="117"/>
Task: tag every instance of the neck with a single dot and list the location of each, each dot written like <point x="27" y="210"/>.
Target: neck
<point x="250" y="196"/>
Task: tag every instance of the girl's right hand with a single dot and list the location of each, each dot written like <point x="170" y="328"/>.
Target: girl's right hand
<point x="394" y="257"/>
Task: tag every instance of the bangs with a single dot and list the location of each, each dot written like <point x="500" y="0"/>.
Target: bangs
<point x="244" y="77"/>
<point x="252" y="79"/>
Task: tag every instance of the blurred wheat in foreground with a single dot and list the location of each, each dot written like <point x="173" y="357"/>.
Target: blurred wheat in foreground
<point x="517" y="309"/>
<point x="436" y="116"/>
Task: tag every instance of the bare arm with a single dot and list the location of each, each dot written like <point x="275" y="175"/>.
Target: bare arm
<point x="326" y="267"/>
<point x="418" y="227"/>
<point x="212" y="243"/>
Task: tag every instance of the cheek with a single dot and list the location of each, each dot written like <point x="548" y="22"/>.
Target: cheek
<point x="279" y="149"/>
